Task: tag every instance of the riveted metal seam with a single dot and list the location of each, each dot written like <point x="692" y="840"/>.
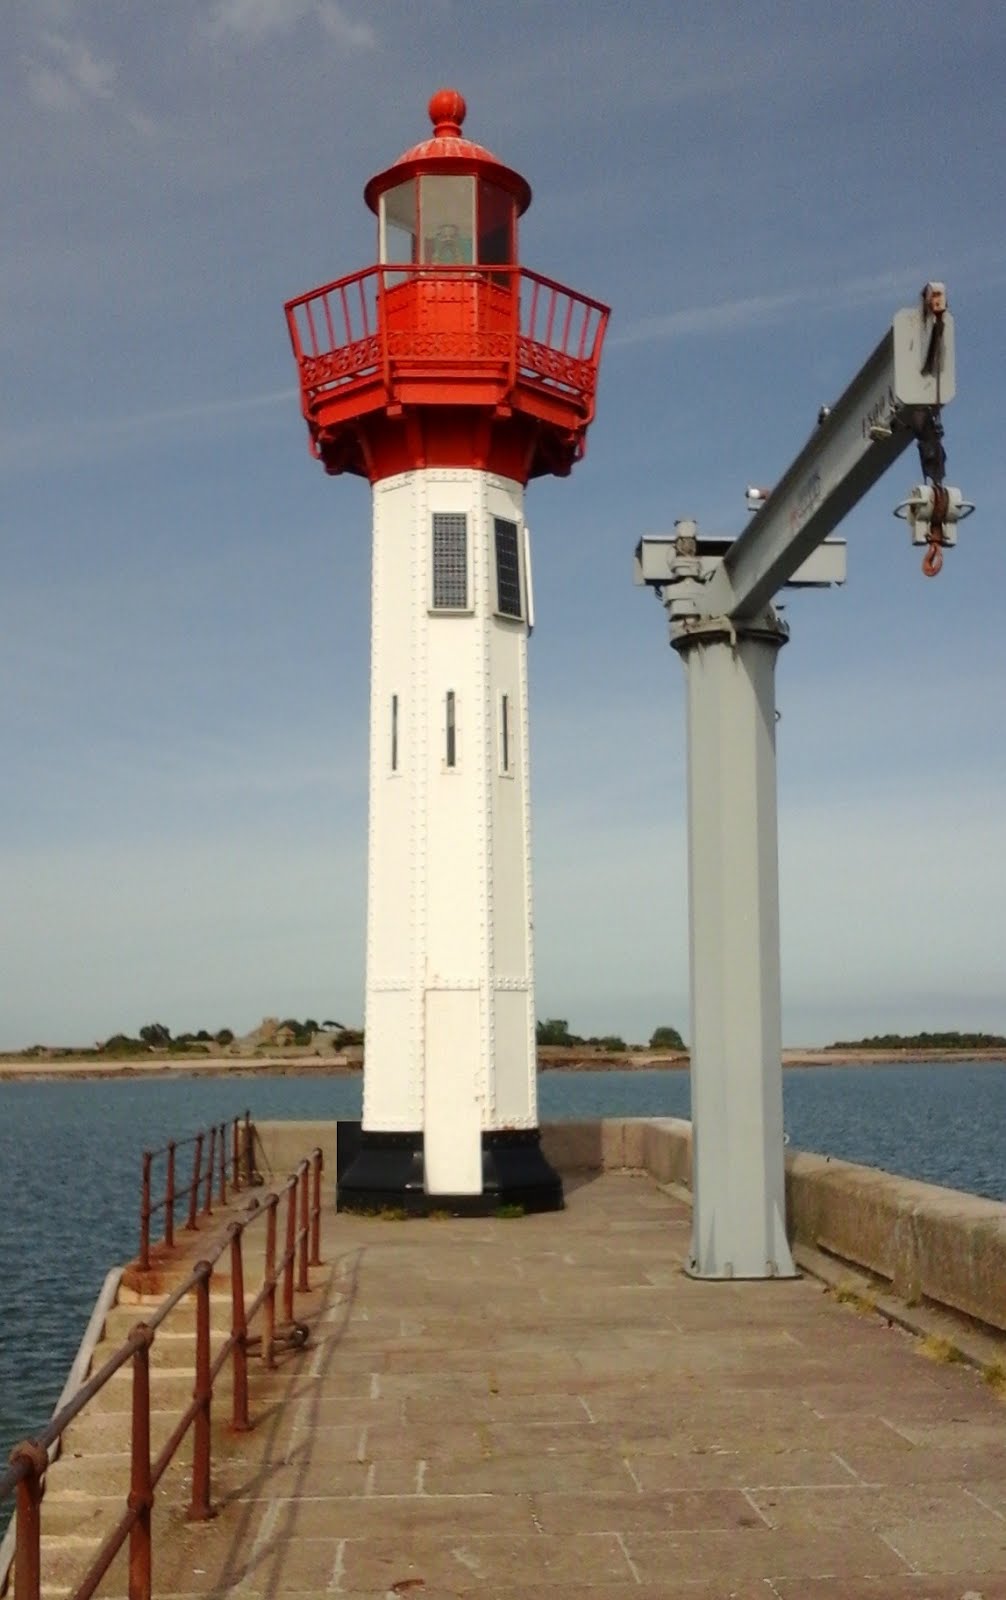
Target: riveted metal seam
<point x="525" y="780"/>
<point x="419" y="821"/>
<point x="370" y="1009"/>
<point x="486" y="1077"/>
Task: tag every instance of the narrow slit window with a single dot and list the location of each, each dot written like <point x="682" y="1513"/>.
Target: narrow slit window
<point x="508" y="587"/>
<point x="394" y="733"/>
<point x="450" y="561"/>
<point x="451" y="730"/>
<point x="505" y="733"/>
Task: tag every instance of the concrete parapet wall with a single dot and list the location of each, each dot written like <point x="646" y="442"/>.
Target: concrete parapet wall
<point x="661" y="1146"/>
<point x="279" y="1146"/>
<point x="931" y="1244"/>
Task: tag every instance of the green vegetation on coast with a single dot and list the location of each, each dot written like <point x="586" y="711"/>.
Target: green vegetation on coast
<point x="287" y="1042"/>
<point x="154" y="1038"/>
<point x="292" y="1045"/>
<point x="555" y="1032"/>
<point x="923" y="1041"/>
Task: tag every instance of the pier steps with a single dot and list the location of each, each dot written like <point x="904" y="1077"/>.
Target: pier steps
<point x="181" y="1323"/>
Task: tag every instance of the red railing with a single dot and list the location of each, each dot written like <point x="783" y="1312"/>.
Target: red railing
<point x="286" y="1275"/>
<point x="386" y="318"/>
<point x="225" y="1151"/>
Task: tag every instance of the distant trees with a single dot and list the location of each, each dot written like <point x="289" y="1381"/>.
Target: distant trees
<point x="302" y="1033"/>
<point x="299" y="1032"/>
<point x="555" y="1031"/>
<point x="348" y="1036"/>
<point x="156" y="1036"/>
<point x="666" y="1038"/>
<point x="923" y="1041"/>
<point x="120" y="1044"/>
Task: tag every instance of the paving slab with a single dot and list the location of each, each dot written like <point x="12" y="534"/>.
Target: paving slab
<point x="547" y="1407"/>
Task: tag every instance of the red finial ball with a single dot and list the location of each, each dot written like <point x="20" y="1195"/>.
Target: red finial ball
<point x="447" y="112"/>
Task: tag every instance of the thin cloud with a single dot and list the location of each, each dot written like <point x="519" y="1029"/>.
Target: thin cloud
<point x="30" y="448"/>
<point x="73" y="77"/>
<point x="982" y="266"/>
<point x="197" y="409"/>
<point x="758" y="310"/>
<point x="342" y="28"/>
<point x="88" y="73"/>
<point x="50" y="89"/>
<point x="259" y="19"/>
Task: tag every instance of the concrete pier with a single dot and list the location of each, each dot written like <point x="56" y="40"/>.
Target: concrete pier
<point x="546" y="1406"/>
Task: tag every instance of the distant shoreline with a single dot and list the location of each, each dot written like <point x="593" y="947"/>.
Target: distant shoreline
<point x="16" y="1069"/>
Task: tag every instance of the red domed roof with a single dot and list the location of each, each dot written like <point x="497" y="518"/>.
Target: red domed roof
<point x="448" y="152"/>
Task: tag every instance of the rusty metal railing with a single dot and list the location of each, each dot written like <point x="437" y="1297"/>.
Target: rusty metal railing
<point x="287" y="1274"/>
<point x="225" y="1151"/>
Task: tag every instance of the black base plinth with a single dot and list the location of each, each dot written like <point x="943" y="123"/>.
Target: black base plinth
<point x="384" y="1171"/>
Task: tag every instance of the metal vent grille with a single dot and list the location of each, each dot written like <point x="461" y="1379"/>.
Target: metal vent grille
<point x="450" y="561"/>
<point x="508" y="595"/>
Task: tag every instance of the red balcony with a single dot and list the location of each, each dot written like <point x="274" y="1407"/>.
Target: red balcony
<point x="393" y="346"/>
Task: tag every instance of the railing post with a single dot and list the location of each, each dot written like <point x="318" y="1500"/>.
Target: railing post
<point x="28" y="1550"/>
<point x="303" y="1235"/>
<point x="197" y="1171"/>
<point x="239" y="1332"/>
<point x="235" y="1166"/>
<point x="145" y="1213"/>
<point x="141" y="1491"/>
<point x="210" y="1161"/>
<point x="169" y="1199"/>
<point x="249" y="1150"/>
<point x="318" y="1162"/>
<point x="200" y="1508"/>
<point x="223" y="1163"/>
<point x="382" y="328"/>
<point x="269" y="1308"/>
<point x="291" y="1249"/>
<point x="515" y="287"/>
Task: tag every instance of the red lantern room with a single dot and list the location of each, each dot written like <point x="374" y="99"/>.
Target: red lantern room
<point x="447" y="352"/>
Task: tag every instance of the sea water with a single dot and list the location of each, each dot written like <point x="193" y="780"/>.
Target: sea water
<point x="70" y="1168"/>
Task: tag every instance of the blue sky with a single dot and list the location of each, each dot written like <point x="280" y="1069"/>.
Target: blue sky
<point x="754" y="188"/>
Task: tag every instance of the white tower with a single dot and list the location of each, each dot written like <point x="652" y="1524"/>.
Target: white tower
<point x="449" y="376"/>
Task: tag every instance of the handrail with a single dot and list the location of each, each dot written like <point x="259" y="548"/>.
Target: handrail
<point x="555" y="325"/>
<point x="29" y="1460"/>
<point x="241" y="1163"/>
<point x="428" y="270"/>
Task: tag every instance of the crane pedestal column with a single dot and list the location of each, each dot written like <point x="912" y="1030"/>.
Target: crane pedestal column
<point x="738" y="1226"/>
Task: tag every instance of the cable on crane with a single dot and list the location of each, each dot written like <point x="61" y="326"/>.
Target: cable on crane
<point x="927" y="425"/>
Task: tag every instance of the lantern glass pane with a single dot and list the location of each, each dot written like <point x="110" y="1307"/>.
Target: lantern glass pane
<point x="398" y="224"/>
<point x="447" y="220"/>
<point x="496" y="209"/>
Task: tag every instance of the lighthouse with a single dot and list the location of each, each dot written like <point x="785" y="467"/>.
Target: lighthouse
<point x="448" y="375"/>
